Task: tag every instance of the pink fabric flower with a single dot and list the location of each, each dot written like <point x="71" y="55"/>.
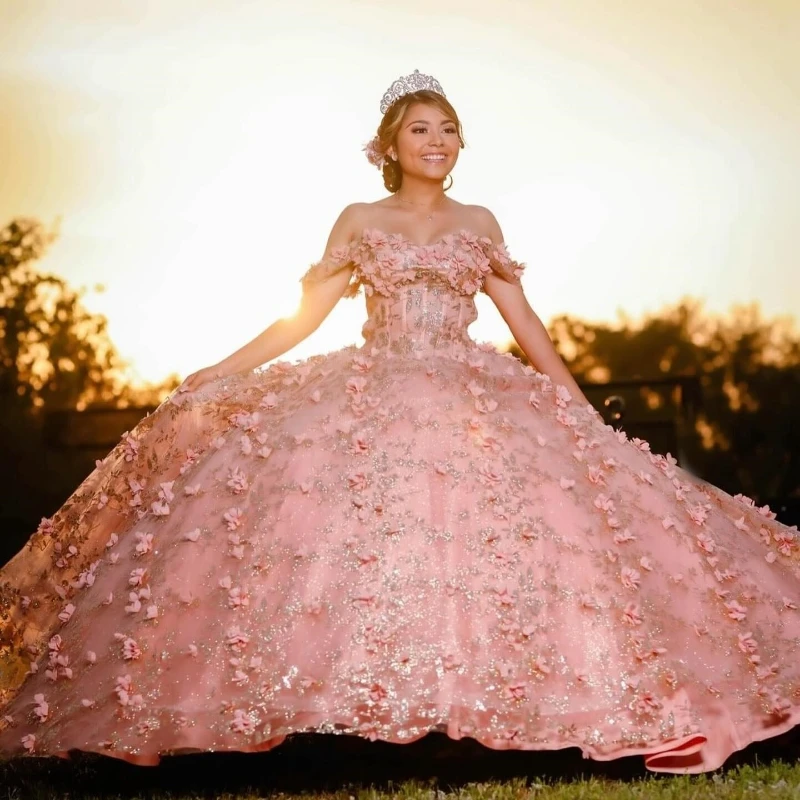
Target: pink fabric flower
<point x="42" y="709"/>
<point x="144" y="543"/>
<point x="630" y="578"/>
<point x="631" y="615"/>
<point x="234" y="517"/>
<point x="736" y="611"/>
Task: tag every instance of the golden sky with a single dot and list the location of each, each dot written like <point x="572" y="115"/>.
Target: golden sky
<point x="199" y="150"/>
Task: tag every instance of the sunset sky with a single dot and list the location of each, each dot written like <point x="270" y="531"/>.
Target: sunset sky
<point x="198" y="151"/>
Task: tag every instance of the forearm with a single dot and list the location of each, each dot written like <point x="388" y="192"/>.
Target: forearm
<point x="277" y="339"/>
<point x="542" y="355"/>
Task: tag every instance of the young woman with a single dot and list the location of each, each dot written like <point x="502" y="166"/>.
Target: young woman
<point x="416" y="534"/>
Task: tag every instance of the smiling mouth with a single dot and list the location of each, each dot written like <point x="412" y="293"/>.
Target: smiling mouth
<point x="435" y="159"/>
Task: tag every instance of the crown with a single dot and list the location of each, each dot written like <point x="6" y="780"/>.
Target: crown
<point x="406" y="84"/>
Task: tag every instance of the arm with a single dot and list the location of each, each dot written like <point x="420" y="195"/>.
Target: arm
<point x="524" y="324"/>
<point x="318" y="300"/>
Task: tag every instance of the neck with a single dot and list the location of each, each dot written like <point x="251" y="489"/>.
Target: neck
<point x="422" y="193"/>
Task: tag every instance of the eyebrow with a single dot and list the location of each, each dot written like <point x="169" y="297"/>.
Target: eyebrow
<point x="425" y="122"/>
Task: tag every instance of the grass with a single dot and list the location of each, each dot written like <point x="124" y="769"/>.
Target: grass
<point x="433" y="768"/>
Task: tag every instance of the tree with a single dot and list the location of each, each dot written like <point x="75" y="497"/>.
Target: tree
<point x="54" y="354"/>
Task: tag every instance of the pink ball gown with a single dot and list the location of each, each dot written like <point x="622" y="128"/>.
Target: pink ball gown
<point x="418" y="534"/>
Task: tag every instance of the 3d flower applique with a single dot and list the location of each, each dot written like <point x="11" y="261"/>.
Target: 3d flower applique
<point x="42" y="708"/>
<point x="566" y="483"/>
<point x="594" y="473"/>
<point x="359" y="444"/>
<point x="369" y="729"/>
<point x="362" y="363"/>
<point x="130" y="447"/>
<point x="135" y="604"/>
<point x="130" y="649"/>
<point x="631" y="615"/>
<point x="269" y="401"/>
<point x="191" y="536"/>
<point x="624" y="536"/>
<point x="237" y="546"/>
<point x="789" y="604"/>
<point x="144" y="543"/>
<point x="539" y="666"/>
<point x="29" y="742"/>
<point x="736" y="611"/>
<point x="66" y="613"/>
<point x="238" y="597"/>
<point x="767" y="671"/>
<point x="503" y="596"/>
<point x="65" y="555"/>
<point x="366" y="596"/>
<point x="786" y="541"/>
<point x="645" y="704"/>
<point x="516" y="690"/>
<point x="562" y="396"/>
<point x="630" y="578"/>
<point x="87" y="577"/>
<point x="240" y="677"/>
<point x="777" y="706"/>
<point x="237" y="480"/>
<point x="705" y="543"/>
<point x="233" y="518"/>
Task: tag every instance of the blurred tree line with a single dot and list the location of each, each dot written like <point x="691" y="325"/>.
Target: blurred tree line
<point x="54" y="354"/>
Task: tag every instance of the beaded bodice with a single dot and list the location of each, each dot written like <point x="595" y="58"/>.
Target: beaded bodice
<point x="418" y="296"/>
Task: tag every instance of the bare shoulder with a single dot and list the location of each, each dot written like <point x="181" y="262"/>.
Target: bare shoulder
<point x="353" y="217"/>
<point x="484" y="222"/>
<point x="348" y="225"/>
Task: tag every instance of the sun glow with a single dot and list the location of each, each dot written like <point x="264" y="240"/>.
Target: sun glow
<point x="199" y="154"/>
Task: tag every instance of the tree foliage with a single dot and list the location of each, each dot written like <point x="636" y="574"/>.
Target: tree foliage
<point x="54" y="354"/>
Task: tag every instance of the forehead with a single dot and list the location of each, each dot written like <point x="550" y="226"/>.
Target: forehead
<point x="424" y="111"/>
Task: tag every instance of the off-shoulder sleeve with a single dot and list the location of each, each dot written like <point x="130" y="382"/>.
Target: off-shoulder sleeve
<point x="338" y="259"/>
<point x="502" y="264"/>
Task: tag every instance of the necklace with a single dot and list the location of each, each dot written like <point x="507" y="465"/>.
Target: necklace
<point x="429" y="215"/>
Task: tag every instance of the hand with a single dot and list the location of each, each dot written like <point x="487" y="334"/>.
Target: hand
<point x="194" y="381"/>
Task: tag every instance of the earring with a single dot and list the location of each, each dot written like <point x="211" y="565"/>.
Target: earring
<point x="451" y="184"/>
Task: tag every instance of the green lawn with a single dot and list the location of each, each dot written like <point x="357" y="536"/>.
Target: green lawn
<point x="434" y="768"/>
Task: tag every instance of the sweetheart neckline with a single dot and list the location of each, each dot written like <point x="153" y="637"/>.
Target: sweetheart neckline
<point x="407" y="240"/>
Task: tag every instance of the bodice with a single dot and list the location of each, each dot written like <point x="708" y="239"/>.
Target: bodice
<point x="418" y="296"/>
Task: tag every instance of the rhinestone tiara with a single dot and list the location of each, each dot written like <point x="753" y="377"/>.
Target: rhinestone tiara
<point x="407" y="84"/>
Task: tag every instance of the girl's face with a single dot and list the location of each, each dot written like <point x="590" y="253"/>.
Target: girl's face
<point x="427" y="143"/>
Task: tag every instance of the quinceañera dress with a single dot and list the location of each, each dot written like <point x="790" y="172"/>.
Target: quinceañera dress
<point x="416" y="534"/>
